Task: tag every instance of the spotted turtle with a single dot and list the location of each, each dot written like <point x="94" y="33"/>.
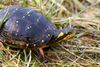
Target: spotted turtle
<point x="23" y="27"/>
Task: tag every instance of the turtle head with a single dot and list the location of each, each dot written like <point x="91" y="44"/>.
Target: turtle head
<point x="65" y="34"/>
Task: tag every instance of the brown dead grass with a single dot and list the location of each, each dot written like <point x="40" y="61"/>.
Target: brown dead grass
<point x="81" y="51"/>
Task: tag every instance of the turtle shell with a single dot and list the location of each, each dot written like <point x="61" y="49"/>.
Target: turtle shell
<point x="26" y="27"/>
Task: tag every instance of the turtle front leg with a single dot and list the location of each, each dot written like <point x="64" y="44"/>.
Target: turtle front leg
<point x="40" y="53"/>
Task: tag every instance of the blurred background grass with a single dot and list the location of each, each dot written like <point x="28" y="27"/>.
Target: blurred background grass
<point x="81" y="51"/>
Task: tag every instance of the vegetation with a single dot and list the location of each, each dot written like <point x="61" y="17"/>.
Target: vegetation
<point x="83" y="50"/>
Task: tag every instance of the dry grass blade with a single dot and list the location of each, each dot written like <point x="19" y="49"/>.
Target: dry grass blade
<point x="81" y="51"/>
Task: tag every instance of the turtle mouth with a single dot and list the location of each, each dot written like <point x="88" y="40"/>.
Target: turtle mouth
<point x="64" y="37"/>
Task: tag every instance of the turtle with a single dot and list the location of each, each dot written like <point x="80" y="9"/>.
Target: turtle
<point x="24" y="27"/>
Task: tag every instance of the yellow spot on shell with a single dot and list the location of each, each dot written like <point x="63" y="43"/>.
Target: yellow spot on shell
<point x="48" y="35"/>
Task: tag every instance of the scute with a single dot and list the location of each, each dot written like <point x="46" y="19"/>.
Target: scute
<point x="27" y="24"/>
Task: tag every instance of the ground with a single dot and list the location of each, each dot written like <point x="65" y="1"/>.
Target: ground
<point x="83" y="50"/>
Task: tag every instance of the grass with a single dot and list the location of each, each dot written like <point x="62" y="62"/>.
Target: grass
<point x="83" y="50"/>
